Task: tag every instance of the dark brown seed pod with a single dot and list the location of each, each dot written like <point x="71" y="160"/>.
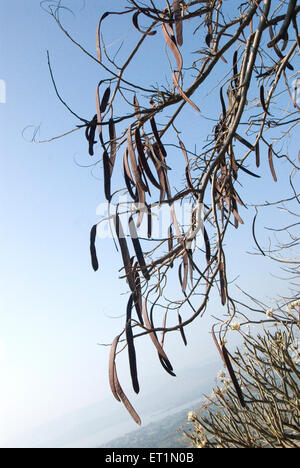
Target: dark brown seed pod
<point x="247" y="171"/>
<point x="257" y="154"/>
<point x="137" y="295"/>
<point x="124" y="252"/>
<point x="277" y="50"/>
<point x="154" y="339"/>
<point x="113" y="146"/>
<point x="90" y="135"/>
<point x="181" y="329"/>
<point x="270" y="158"/>
<point x="244" y="141"/>
<point x="107" y="176"/>
<point x="131" y="347"/>
<point x="165" y="367"/>
<point x="223" y="289"/>
<point x="222" y="103"/>
<point x="207" y="245"/>
<point x="105" y="100"/>
<point x="94" y="258"/>
<point x="134" y="166"/>
<point x="262" y="100"/>
<point x="137" y="248"/>
<point x="233" y="376"/>
<point x="235" y="70"/>
<point x="178" y="22"/>
<point x="208" y="39"/>
<point x="157" y="137"/>
<point x="149" y="221"/>
<point x="143" y="160"/>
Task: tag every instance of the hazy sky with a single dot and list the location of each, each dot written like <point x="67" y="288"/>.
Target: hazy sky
<point x="53" y="308"/>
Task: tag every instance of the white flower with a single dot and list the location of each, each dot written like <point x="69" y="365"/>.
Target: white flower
<point x="221" y="374"/>
<point x="235" y="326"/>
<point x="269" y="313"/>
<point x="191" y="416"/>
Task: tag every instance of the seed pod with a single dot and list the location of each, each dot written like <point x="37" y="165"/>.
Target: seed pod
<point x="270" y="158"/>
<point x="154" y="339"/>
<point x="131" y="348"/>
<point x="107" y="173"/>
<point x="178" y="22"/>
<point x="233" y="376"/>
<point x="137" y="248"/>
<point x="94" y="258"/>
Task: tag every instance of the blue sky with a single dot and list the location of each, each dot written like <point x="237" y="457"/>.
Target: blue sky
<point x="54" y="308"/>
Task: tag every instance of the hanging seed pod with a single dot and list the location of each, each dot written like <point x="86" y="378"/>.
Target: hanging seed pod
<point x="178" y="22"/>
<point x="125" y="400"/>
<point x="270" y="158"/>
<point x="181" y="329"/>
<point x="233" y="376"/>
<point x="154" y="339"/>
<point x="131" y="347"/>
<point x="112" y="364"/>
<point x="262" y="100"/>
<point x="137" y="248"/>
<point x="124" y="252"/>
<point x="94" y="258"/>
<point x="107" y="178"/>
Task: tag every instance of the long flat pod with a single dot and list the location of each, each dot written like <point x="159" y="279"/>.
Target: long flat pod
<point x="181" y="329"/>
<point x="207" y="245"/>
<point x="90" y="135"/>
<point x="247" y="171"/>
<point x="125" y="400"/>
<point x="107" y="176"/>
<point x="128" y="177"/>
<point x="94" y="258"/>
<point x="137" y="248"/>
<point x="143" y="160"/>
<point x="149" y="221"/>
<point x="270" y="158"/>
<point x="153" y="337"/>
<point x="105" y="99"/>
<point x="157" y="137"/>
<point x="170" y="243"/>
<point x="262" y="100"/>
<point x="155" y="158"/>
<point x="187" y="168"/>
<point x="222" y="283"/>
<point x="113" y="146"/>
<point x="233" y="376"/>
<point x="131" y="348"/>
<point x="136" y="173"/>
<point x="244" y="141"/>
<point x="165" y="367"/>
<point x="171" y="42"/>
<point x="257" y="154"/>
<point x="183" y="95"/>
<point x="137" y="295"/>
<point x="235" y="71"/>
<point x="111" y="368"/>
<point x="125" y="252"/>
